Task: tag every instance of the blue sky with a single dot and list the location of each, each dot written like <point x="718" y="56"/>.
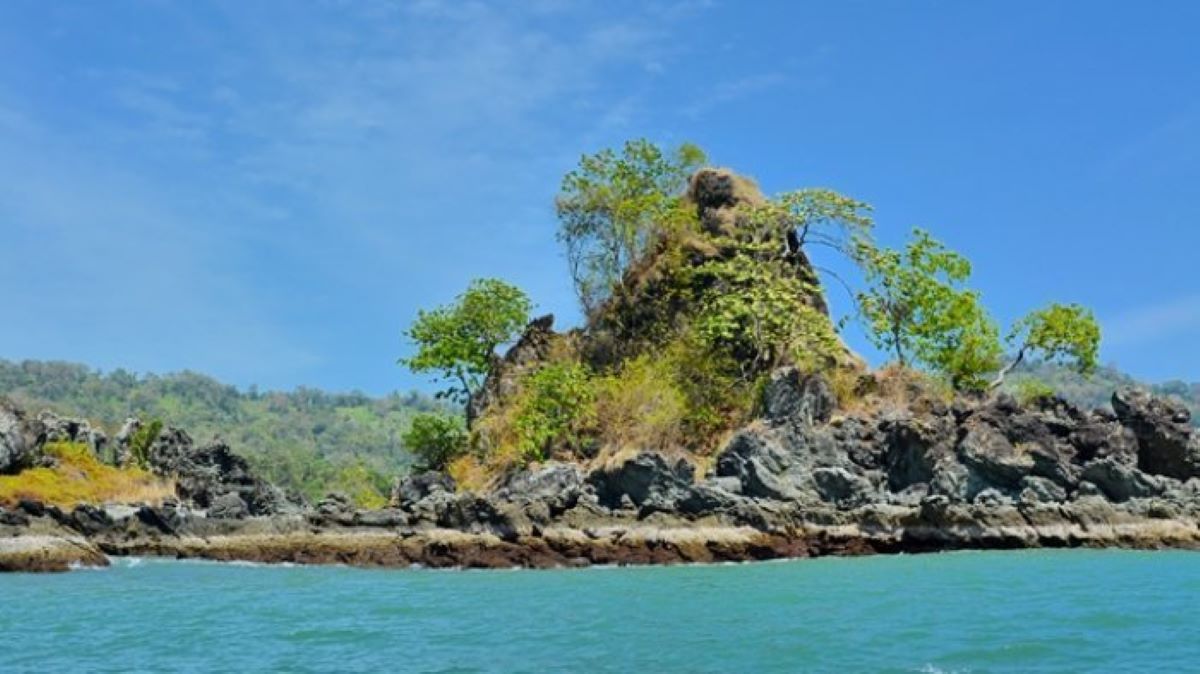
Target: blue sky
<point x="267" y="191"/>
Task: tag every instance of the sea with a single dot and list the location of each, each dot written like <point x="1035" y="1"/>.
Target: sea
<point x="1028" y="611"/>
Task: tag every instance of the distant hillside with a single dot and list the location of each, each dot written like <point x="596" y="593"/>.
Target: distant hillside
<point x="307" y="440"/>
<point x="1097" y="390"/>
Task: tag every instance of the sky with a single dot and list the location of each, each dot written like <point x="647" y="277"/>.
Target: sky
<point x="268" y="191"/>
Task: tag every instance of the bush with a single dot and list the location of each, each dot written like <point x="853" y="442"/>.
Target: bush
<point x="554" y="410"/>
<point x="141" y="442"/>
<point x="1029" y="390"/>
<point x="436" y="440"/>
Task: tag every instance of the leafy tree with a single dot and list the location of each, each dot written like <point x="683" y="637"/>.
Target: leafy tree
<point x="613" y="206"/>
<point x="813" y="217"/>
<point x="917" y="308"/>
<point x="458" y="341"/>
<point x="436" y="439"/>
<point x="1066" y="333"/>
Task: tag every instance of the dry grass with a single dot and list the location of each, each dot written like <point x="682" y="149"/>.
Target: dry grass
<point x="81" y="478"/>
<point x="471" y="475"/>
<point x="641" y="406"/>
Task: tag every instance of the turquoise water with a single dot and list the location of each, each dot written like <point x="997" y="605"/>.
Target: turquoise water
<point x="968" y="612"/>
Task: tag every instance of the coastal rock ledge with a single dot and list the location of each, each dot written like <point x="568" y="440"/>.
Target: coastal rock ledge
<point x="806" y="480"/>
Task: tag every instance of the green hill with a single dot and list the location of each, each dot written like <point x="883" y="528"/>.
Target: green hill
<point x="306" y="440"/>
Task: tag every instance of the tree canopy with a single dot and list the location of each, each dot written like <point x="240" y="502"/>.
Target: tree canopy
<point x="458" y="341"/>
<point x="1063" y="333"/>
<point x="612" y="207"/>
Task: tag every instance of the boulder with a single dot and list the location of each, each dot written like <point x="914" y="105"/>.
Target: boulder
<point x="412" y="488"/>
<point x="992" y="459"/>
<point x="791" y="396"/>
<point x="647" y="479"/>
<point x="228" y="506"/>
<point x="203" y="473"/>
<point x="1120" y="482"/>
<point x="66" y="429"/>
<point x="21" y="439"/>
<point x="1164" y="433"/>
<point x="1041" y="490"/>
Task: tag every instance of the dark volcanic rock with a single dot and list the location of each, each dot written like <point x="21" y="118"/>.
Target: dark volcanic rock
<point x="531" y="348"/>
<point x="228" y="506"/>
<point x="1164" y="433"/>
<point x="647" y="479"/>
<point x="21" y="439"/>
<point x="65" y="429"/>
<point x="204" y="473"/>
<point x="1121" y="482"/>
<point x="791" y="396"/>
<point x="413" y="488"/>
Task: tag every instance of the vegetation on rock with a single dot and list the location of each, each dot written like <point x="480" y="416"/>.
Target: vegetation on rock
<point x="695" y="287"/>
<point x="80" y="477"/>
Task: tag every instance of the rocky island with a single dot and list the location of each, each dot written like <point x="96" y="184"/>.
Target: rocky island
<point x="706" y="411"/>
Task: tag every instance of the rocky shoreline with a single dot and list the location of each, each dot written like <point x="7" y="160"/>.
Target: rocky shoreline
<point x="806" y="480"/>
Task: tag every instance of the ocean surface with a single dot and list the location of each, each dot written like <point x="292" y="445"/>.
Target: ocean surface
<point x="959" y="612"/>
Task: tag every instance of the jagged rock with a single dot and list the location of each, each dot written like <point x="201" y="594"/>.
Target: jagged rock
<point x="1041" y="490"/>
<point x="202" y="474"/>
<point x="335" y="502"/>
<point x="12" y="518"/>
<point x="647" y="478"/>
<point x="88" y="520"/>
<point x="1163" y="431"/>
<point x="992" y="458"/>
<point x="228" y="506"/>
<point x="914" y="450"/>
<point x="66" y="429"/>
<point x="760" y="464"/>
<point x="791" y="396"/>
<point x="413" y="488"/>
<point x="992" y="498"/>
<point x="121" y="441"/>
<point x="1120" y="482"/>
<point x="840" y="486"/>
<point x="20" y="439"/>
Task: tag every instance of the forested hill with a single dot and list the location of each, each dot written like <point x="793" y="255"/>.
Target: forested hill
<point x="1096" y="390"/>
<point x="308" y="440"/>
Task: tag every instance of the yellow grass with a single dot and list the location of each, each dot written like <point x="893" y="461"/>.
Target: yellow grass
<point x="80" y="478"/>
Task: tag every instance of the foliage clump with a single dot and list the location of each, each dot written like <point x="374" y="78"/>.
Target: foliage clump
<point x="436" y="440"/>
<point x="141" y="441"/>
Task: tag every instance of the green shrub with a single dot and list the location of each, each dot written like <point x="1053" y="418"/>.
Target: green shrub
<point x="436" y="440"/>
<point x="556" y="407"/>
<point x="1029" y="390"/>
<point x="141" y="441"/>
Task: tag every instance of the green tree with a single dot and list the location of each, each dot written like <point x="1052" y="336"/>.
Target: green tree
<point x="613" y="207"/>
<point x="436" y="440"/>
<point x="1065" y="333"/>
<point x="458" y="341"/>
<point x="916" y="306"/>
